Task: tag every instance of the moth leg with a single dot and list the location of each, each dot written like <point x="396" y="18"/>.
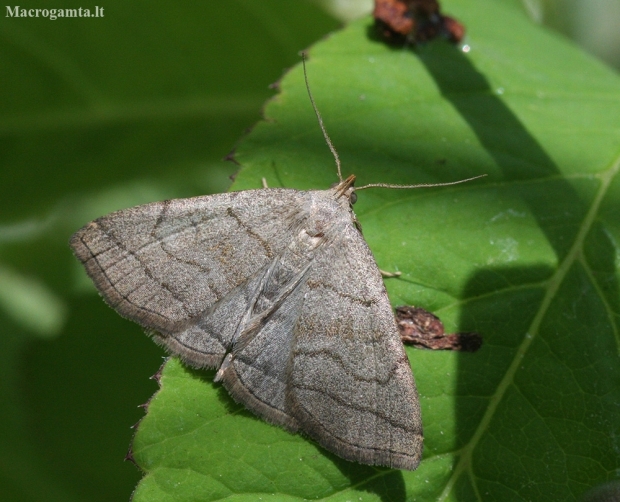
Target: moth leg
<point x="387" y="275"/>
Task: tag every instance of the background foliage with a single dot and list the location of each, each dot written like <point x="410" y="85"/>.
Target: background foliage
<point x="143" y="105"/>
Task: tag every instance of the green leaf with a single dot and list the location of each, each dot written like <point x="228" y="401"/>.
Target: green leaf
<point x="527" y="256"/>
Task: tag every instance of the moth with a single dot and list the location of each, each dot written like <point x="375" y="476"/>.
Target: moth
<point x="277" y="289"/>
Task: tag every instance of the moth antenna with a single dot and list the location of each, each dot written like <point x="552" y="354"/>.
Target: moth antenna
<point x="320" y="119"/>
<point x="421" y="185"/>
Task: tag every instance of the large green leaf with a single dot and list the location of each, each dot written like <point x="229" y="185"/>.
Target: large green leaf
<point x="528" y="257"/>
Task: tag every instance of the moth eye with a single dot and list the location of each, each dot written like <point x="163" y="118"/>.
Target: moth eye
<point x="353" y="198"/>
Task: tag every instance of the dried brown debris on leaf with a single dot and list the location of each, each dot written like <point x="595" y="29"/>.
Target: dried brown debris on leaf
<point x="414" y="21"/>
<point x="421" y="328"/>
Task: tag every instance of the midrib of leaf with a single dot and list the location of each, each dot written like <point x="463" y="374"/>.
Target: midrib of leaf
<point x="553" y="285"/>
<point x="595" y="284"/>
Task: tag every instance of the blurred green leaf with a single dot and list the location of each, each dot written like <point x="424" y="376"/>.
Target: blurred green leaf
<point x="528" y="257"/>
<point x="31" y="303"/>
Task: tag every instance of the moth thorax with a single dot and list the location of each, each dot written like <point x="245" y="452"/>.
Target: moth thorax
<point x="309" y="240"/>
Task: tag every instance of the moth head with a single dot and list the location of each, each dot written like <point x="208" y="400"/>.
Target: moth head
<point x="346" y="188"/>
